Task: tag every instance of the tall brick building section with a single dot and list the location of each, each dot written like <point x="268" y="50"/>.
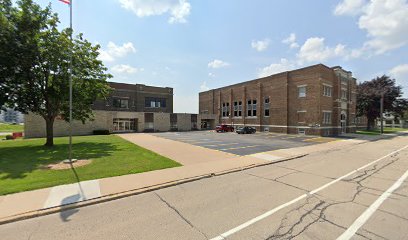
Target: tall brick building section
<point x="316" y="100"/>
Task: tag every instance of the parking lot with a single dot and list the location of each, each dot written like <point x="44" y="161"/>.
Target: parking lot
<point x="242" y="144"/>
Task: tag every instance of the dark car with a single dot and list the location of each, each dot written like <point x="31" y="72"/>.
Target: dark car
<point x="245" y="130"/>
<point x="224" y="128"/>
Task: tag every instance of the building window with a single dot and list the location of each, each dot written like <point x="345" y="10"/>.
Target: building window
<point x="327" y="116"/>
<point x="344" y="94"/>
<point x="327" y="91"/>
<point x="251" y="108"/>
<point x="301" y="116"/>
<point x="266" y="107"/>
<point x="302" y="91"/>
<point x="151" y="102"/>
<point x="225" y="110"/>
<point x="238" y="109"/>
<point x="120" y="103"/>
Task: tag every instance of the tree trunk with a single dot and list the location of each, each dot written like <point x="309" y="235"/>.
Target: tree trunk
<point x="49" y="126"/>
<point x="370" y="123"/>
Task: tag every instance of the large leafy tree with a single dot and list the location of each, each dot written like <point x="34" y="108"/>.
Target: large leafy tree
<point x="35" y="61"/>
<point x="369" y="99"/>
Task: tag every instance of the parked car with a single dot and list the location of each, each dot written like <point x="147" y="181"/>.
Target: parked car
<point x="246" y="130"/>
<point x="224" y="128"/>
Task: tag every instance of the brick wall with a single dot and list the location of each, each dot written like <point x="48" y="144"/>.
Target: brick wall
<point x="34" y="126"/>
<point x="136" y="95"/>
<point x="286" y="107"/>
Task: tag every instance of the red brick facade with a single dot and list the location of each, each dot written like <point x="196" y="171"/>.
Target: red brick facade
<point x="329" y="95"/>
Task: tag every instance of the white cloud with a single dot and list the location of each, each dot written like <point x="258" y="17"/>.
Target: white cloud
<point x="385" y="22"/>
<point x="282" y="66"/>
<point x="178" y="9"/>
<point x="114" y="51"/>
<point x="291" y="41"/>
<point x="349" y="7"/>
<point x="217" y="64"/>
<point x="211" y="75"/>
<point x="400" y="73"/>
<point x="123" y="68"/>
<point x="315" y="50"/>
<point x="260" y="45"/>
<point x="203" y="87"/>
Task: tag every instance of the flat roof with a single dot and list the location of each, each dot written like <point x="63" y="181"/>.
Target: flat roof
<point x="275" y="74"/>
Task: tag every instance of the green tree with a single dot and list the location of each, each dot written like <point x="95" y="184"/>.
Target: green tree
<point x="369" y="99"/>
<point x="34" y="65"/>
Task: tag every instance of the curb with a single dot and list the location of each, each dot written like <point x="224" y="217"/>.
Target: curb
<point x="133" y="192"/>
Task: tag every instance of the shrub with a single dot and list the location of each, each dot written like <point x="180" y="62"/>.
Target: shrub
<point x="9" y="137"/>
<point x="101" y="132"/>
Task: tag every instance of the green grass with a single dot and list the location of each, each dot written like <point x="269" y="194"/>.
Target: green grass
<point x="21" y="161"/>
<point x="11" y="127"/>
<point x="377" y="131"/>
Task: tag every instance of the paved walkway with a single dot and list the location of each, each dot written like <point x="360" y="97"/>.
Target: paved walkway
<point x="197" y="163"/>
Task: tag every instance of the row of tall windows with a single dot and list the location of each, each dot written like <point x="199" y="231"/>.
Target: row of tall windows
<point x="251" y="108"/>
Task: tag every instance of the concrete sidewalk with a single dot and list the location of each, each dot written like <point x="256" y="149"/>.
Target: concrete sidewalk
<point x="197" y="163"/>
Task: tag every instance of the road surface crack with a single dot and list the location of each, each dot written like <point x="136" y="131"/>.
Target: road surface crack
<point x="275" y="180"/>
<point x="292" y="225"/>
<point x="181" y="215"/>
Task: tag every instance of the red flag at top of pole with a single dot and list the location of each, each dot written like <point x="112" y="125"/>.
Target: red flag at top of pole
<point x="65" y="1"/>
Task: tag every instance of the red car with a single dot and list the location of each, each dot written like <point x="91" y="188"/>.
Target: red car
<point x="224" y="128"/>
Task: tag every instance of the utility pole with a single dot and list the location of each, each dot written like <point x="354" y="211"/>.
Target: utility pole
<point x="382" y="112"/>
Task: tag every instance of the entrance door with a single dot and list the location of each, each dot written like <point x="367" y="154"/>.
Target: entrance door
<point x="124" y="125"/>
<point x="343" y="123"/>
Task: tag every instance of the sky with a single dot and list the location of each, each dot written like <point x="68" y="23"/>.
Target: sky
<point x="196" y="45"/>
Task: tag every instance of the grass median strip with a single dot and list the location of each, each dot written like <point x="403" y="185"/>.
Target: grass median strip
<point x="378" y="132"/>
<point x="22" y="162"/>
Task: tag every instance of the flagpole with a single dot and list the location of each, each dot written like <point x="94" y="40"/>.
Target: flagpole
<point x="70" y="84"/>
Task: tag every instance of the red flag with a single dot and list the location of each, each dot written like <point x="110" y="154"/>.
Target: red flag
<point x="65" y="1"/>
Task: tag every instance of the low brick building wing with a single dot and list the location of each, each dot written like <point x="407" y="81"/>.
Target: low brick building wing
<point x="316" y="100"/>
<point x="130" y="108"/>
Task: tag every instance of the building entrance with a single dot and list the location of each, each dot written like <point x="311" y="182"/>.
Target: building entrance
<point x="124" y="124"/>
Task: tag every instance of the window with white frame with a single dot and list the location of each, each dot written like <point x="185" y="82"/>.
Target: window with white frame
<point x="225" y="109"/>
<point x="238" y="109"/>
<point x="327" y="116"/>
<point x="266" y="107"/>
<point x="344" y="94"/>
<point x="327" y="91"/>
<point x="251" y="108"/>
<point x="302" y="91"/>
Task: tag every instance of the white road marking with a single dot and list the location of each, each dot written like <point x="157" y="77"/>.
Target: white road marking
<point x="221" y="144"/>
<point x="360" y="221"/>
<point x="239" y="147"/>
<point x="272" y="211"/>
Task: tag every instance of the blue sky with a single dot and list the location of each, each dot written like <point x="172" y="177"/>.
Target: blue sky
<point x="195" y="45"/>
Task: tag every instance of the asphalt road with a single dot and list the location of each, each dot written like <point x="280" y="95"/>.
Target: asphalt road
<point x="319" y="196"/>
<point x="240" y="144"/>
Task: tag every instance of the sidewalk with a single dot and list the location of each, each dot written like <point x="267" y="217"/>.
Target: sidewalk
<point x="198" y="163"/>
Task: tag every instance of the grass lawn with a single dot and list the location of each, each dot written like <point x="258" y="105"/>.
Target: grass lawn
<point x="377" y="131"/>
<point x="11" y="127"/>
<point x="21" y="161"/>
